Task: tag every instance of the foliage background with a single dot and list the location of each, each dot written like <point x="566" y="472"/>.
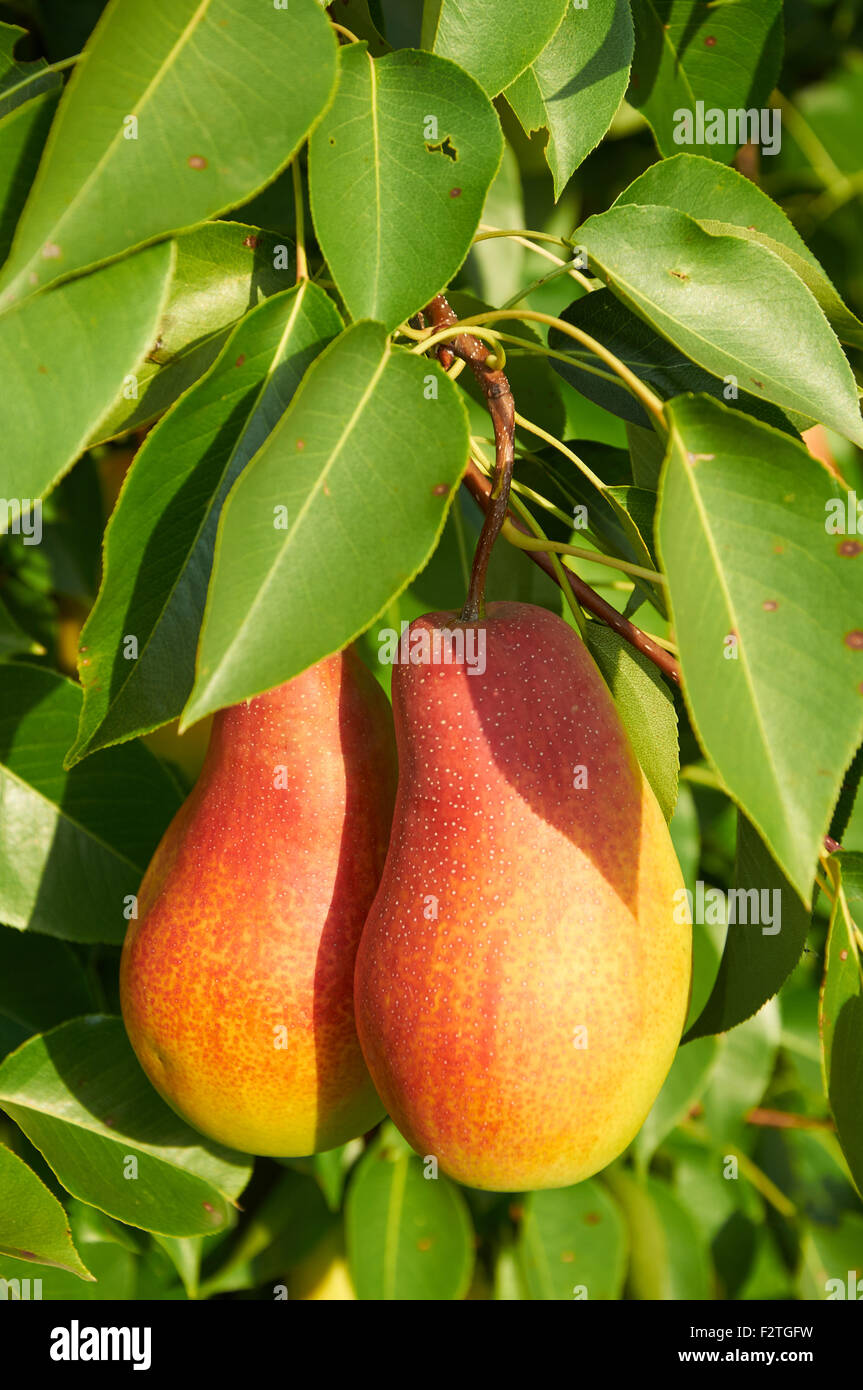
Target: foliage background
<point x="363" y="1222"/>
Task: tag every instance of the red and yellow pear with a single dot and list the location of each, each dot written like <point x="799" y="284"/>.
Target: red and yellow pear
<point x="521" y="982"/>
<point x="237" y="977"/>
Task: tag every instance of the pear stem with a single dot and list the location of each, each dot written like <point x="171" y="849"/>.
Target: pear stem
<point x="501" y="407"/>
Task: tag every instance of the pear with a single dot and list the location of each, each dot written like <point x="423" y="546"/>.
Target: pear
<point x="236" y="980"/>
<point x="521" y="983"/>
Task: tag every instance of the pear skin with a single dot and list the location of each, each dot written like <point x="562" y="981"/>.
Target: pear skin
<point x="521" y="983"/>
<point x="236" y="980"/>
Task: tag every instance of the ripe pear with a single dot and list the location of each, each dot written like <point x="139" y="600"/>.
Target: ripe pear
<point x="236" y="980"/>
<point x="521" y="983"/>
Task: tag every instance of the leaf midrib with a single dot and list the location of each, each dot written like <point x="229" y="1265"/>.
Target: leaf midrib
<point x="395" y="1205"/>
<point x="377" y="178"/>
<point x="543" y="1265"/>
<point x="688" y="473"/>
<point x="124" y="1140"/>
<point x="275" y="565"/>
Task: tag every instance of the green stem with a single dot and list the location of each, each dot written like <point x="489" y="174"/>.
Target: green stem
<point x="516" y="537"/>
<point x="565" y="268"/>
<point x="485" y="335"/>
<point x="562" y="448"/>
<point x="701" y="777"/>
<point x="526" y="348"/>
<point x="489" y="233"/>
<point x="819" y="157"/>
<point x="348" y="33"/>
<point x="521" y="510"/>
<point x="650" y="401"/>
<point x="300" y="217"/>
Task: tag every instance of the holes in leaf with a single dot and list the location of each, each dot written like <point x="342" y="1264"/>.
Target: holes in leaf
<point x="444" y="146"/>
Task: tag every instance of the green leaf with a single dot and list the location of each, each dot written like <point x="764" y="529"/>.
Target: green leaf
<point x="845" y="325"/>
<point x="399" y="169"/>
<point x="846" y="807"/>
<point x="281" y="1230"/>
<point x="766" y="610"/>
<point x="646" y="454"/>
<point x="702" y="188"/>
<point x="331" y="1168"/>
<point x="808" y="1167"/>
<point x="617" y="517"/>
<point x="685" y="833"/>
<point x="223" y="92"/>
<point x="841" y="1014"/>
<point x="714" y="1199"/>
<point x="509" y="1281"/>
<point x="409" y="1236"/>
<point x="767" y="1275"/>
<point x="33" y="1224"/>
<point x="363" y="514"/>
<point x="684" y="1085"/>
<point x="575" y="85"/>
<point x="494" y="40"/>
<point x="184" y="1252"/>
<point x="498" y="262"/>
<point x="830" y="1266"/>
<point x="654" y="359"/>
<point x="73" y="845"/>
<point x="573" y="1244"/>
<point x="740" y="1078"/>
<point x="685" y="1268"/>
<point x="800" y="1036"/>
<point x="668" y="1260"/>
<point x="222" y="270"/>
<point x="42" y="981"/>
<point x="833" y="110"/>
<point x="159" y="542"/>
<point x="707" y="190"/>
<point x="23" y="133"/>
<point x="63" y="357"/>
<point x="113" y="1262"/>
<point x="724" y="55"/>
<point x="756" y="962"/>
<point x="639" y="503"/>
<point x="731" y="306"/>
<point x="81" y="1098"/>
<point x="646" y="706"/>
<point x="19" y="82"/>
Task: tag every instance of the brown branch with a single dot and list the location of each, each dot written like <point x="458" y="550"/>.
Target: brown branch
<point x="501" y="408"/>
<point x="479" y="487"/>
<point x="773" y="1119"/>
<point x="747" y="161"/>
<point x="493" y="498"/>
<point x="781" y="1119"/>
